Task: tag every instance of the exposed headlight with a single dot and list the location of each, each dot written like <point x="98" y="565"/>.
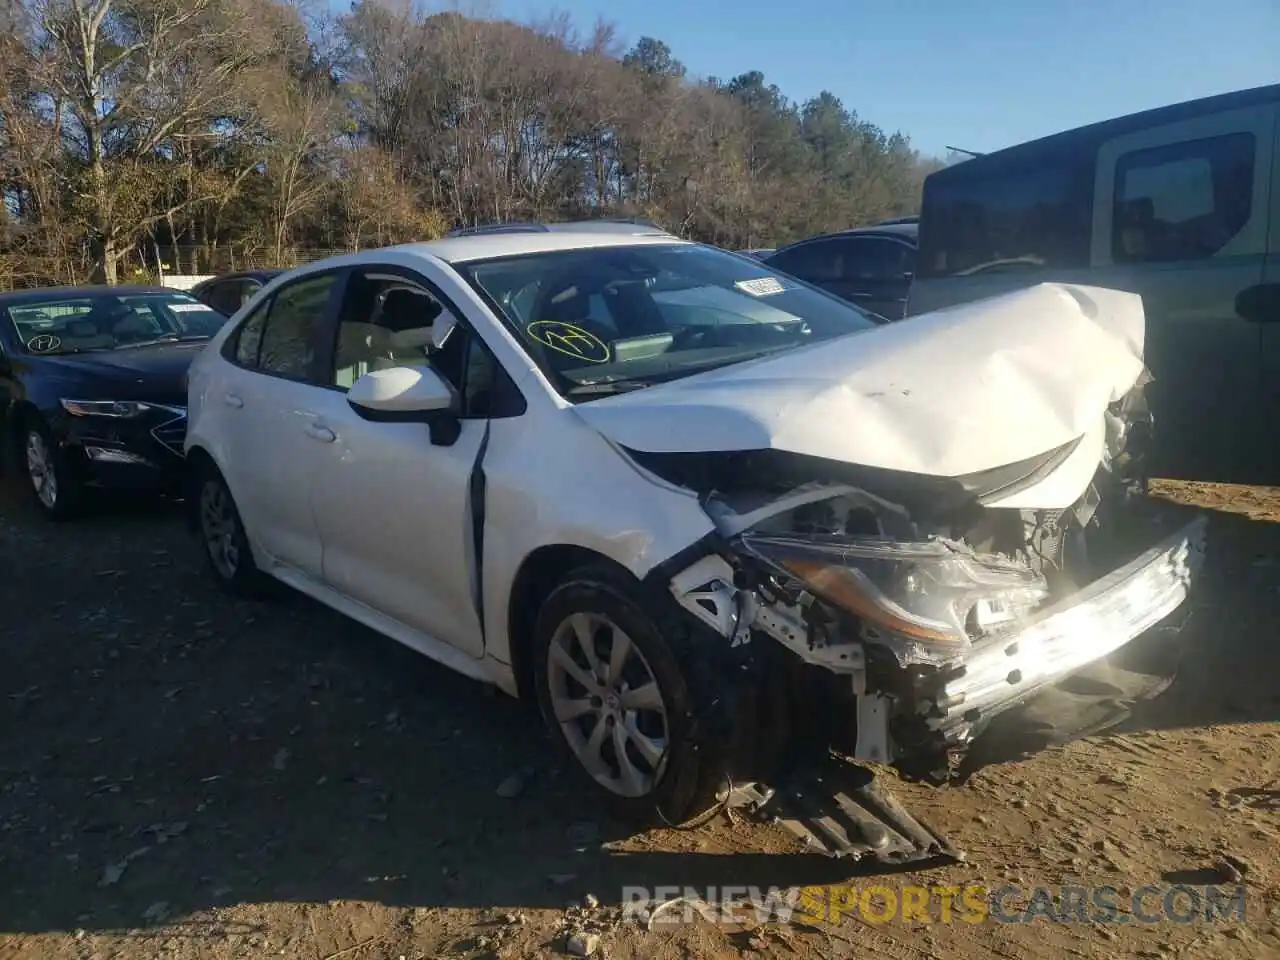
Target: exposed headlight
<point x="930" y="592"/>
<point x="105" y="408"/>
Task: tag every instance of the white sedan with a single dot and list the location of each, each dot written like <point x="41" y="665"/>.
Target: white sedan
<point x="681" y="499"/>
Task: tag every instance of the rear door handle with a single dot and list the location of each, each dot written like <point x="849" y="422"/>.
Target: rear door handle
<point x="317" y="432"/>
<point x="231" y="400"/>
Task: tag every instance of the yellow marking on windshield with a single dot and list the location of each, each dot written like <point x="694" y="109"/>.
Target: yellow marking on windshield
<point x="572" y="341"/>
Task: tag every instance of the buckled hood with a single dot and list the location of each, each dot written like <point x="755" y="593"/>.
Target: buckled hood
<point x="944" y="394"/>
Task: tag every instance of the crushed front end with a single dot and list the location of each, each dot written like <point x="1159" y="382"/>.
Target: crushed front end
<point x="894" y="617"/>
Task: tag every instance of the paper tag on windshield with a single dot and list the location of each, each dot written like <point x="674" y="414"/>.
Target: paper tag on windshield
<point x="764" y="287"/>
<point x="188" y="307"/>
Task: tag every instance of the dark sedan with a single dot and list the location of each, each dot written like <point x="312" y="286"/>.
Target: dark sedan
<point x="871" y="267"/>
<point x="230" y="291"/>
<point x="93" y="388"/>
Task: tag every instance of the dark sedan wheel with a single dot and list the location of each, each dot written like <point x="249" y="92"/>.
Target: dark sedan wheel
<point x="58" y="493"/>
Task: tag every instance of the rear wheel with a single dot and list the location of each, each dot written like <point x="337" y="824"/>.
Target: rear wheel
<point x="222" y="535"/>
<point x="616" y="687"/>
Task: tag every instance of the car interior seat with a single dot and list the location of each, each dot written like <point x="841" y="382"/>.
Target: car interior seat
<point x="397" y="333"/>
<point x="408" y="316"/>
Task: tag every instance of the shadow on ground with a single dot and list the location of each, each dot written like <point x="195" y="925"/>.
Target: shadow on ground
<point x="165" y="746"/>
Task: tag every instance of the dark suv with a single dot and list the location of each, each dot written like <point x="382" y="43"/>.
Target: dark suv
<point x="229" y="292"/>
<point x="871" y="267"/>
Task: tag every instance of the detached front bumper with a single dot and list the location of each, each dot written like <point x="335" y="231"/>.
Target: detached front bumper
<point x="1065" y="638"/>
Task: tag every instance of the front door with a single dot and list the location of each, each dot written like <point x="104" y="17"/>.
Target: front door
<point x="396" y="513"/>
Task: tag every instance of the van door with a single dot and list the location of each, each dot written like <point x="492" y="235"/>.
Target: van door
<point x="1180" y="216"/>
<point x="1264" y="310"/>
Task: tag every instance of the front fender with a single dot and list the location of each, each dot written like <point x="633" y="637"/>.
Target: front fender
<point x="553" y="481"/>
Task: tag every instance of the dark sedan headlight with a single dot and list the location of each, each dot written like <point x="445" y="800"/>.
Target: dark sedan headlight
<point x="931" y="593"/>
<point x="121" y="409"/>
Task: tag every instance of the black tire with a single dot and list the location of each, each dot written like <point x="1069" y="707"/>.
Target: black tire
<point x="691" y="773"/>
<point x="234" y="571"/>
<point x="66" y="498"/>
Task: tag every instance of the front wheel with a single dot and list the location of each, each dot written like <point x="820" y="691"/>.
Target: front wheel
<point x="58" y="493"/>
<point x="614" y="684"/>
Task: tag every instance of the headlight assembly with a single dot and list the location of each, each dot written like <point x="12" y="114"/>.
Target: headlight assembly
<point x="928" y="592"/>
<point x="105" y="408"/>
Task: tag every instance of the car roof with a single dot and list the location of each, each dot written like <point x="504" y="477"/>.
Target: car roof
<point x="263" y="274"/>
<point x="41" y="294"/>
<point x="1077" y="137"/>
<point x="485" y="246"/>
<point x="905" y="231"/>
<point x="909" y="232"/>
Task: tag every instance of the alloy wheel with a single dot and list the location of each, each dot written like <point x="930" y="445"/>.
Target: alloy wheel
<point x="606" y="699"/>
<point x="220" y="527"/>
<point x="41" y="471"/>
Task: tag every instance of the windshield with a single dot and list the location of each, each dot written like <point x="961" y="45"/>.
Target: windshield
<point x="108" y="321"/>
<point x="608" y="319"/>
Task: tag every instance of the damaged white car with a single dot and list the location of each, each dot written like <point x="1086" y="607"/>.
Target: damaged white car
<point x="720" y="525"/>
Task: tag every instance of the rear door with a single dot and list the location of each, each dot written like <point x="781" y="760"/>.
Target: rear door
<point x="271" y="398"/>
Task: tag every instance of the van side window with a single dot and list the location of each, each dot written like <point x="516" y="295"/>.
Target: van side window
<point x="1031" y="213"/>
<point x="1182" y="201"/>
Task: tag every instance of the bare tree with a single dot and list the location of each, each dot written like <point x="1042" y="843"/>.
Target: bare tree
<point x="206" y="132"/>
<point x="129" y="76"/>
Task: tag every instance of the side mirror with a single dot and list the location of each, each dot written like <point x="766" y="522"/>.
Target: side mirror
<point x="408" y="395"/>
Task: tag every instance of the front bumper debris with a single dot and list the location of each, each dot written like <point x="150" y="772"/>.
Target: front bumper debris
<point x="918" y="716"/>
<point x="1067" y="637"/>
<point x="841" y="810"/>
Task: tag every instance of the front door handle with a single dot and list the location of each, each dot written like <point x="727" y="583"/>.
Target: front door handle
<point x="231" y="400"/>
<point x="317" y="432"/>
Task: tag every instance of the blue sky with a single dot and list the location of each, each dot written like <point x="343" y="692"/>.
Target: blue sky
<point x="979" y="74"/>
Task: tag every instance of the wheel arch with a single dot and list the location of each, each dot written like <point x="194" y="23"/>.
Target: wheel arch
<point x="544" y="569"/>
<point x="16" y="418"/>
<point x="539" y="574"/>
<point x="198" y="461"/>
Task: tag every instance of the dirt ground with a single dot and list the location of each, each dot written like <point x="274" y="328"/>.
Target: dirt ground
<point x="184" y="777"/>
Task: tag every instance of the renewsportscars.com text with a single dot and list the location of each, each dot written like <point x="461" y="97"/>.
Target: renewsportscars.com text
<point x="969" y="903"/>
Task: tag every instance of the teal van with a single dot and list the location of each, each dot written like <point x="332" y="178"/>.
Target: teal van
<point x="1180" y="205"/>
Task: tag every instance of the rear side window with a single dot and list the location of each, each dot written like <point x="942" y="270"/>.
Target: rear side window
<point x="248" y="339"/>
<point x="1033" y="212"/>
<point x="288" y="343"/>
<point x="815" y="262"/>
<point x="279" y="337"/>
<point x="221" y="297"/>
<point x="1182" y="201"/>
<point x="875" y="258"/>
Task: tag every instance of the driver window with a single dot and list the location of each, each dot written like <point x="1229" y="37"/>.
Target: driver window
<point x="385" y="322"/>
